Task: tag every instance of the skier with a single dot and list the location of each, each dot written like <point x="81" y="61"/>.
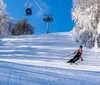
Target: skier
<point x="78" y="55"/>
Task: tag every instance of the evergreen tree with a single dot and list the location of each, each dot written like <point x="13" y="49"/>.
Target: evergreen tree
<point x="4" y="20"/>
<point x="86" y="14"/>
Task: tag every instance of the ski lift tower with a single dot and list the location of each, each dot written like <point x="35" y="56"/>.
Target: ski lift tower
<point x="48" y="19"/>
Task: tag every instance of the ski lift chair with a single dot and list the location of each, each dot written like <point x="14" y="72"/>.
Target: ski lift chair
<point x="28" y="11"/>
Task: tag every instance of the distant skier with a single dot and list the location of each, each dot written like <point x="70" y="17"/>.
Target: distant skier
<point x="78" y="55"/>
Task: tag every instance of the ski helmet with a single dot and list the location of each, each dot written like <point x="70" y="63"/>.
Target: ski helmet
<point x="81" y="46"/>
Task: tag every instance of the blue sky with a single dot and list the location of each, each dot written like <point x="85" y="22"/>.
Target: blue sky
<point x="60" y="9"/>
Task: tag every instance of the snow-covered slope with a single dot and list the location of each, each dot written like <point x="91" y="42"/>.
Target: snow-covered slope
<point x="37" y="60"/>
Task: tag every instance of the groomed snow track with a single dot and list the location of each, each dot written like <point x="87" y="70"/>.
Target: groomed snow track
<point x="37" y="60"/>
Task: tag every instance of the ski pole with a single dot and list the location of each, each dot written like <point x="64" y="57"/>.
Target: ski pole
<point x="67" y="55"/>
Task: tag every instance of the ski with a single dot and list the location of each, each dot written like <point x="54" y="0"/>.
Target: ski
<point x="73" y="63"/>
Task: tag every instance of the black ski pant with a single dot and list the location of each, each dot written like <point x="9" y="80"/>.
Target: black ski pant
<point x="73" y="60"/>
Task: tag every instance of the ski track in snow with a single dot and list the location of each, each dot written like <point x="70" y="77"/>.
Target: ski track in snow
<point x="37" y="60"/>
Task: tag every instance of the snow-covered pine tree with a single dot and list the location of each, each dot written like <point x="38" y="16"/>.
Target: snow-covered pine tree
<point x="86" y="14"/>
<point x="4" y="20"/>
